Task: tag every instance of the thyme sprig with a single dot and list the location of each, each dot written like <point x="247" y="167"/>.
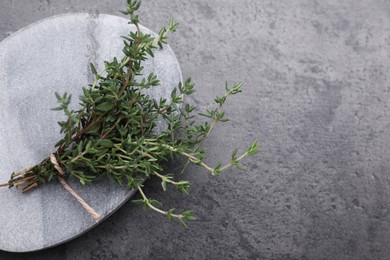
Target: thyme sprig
<point x="113" y="133"/>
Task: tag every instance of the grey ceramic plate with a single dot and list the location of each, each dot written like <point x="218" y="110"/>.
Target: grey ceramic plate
<point x="45" y="57"/>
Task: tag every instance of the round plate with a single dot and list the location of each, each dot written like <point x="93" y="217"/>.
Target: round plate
<point x="51" y="56"/>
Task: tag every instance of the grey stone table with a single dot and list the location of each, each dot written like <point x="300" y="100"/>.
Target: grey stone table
<point x="51" y="56"/>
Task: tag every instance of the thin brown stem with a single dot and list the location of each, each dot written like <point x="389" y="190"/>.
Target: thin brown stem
<point x="23" y="178"/>
<point x="28" y="188"/>
<point x="81" y="133"/>
<point x="126" y="83"/>
<point x="23" y="172"/>
<point x="103" y="136"/>
<point x="25" y="183"/>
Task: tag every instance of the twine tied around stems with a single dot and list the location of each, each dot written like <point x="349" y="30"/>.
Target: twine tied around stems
<point x="94" y="215"/>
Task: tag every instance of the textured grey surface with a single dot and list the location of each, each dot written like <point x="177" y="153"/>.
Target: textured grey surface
<point x="51" y="56"/>
<point x="316" y="97"/>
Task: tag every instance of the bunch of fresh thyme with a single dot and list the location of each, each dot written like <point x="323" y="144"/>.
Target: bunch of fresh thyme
<point x="113" y="133"/>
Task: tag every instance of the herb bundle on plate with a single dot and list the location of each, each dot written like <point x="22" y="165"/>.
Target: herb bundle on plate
<point x="113" y="132"/>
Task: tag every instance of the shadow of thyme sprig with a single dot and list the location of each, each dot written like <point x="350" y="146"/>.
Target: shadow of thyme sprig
<point x="113" y="134"/>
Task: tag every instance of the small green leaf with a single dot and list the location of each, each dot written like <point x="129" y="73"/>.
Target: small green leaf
<point x="93" y="69"/>
<point x="183" y="224"/>
<point x="106" y="106"/>
<point x="94" y="129"/>
<point x="188" y="215"/>
<point x="253" y="149"/>
<point x="140" y="202"/>
<point x="106" y="143"/>
<point x="58" y="96"/>
<point x="156" y="203"/>
<point x="164" y="185"/>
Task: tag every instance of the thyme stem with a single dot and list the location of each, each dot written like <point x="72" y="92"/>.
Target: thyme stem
<point x="146" y="200"/>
